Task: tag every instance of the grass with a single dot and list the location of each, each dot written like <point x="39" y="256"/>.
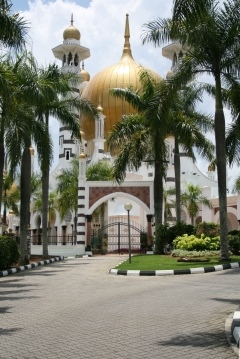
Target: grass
<point x="158" y="262"/>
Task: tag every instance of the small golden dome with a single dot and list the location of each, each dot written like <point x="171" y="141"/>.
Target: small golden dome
<point x="31" y="151"/>
<point x="82" y="156"/>
<point x="11" y="212"/>
<point x="71" y="32"/>
<point x="99" y="109"/>
<point x="169" y="75"/>
<point x="84" y="74"/>
<point x="123" y="74"/>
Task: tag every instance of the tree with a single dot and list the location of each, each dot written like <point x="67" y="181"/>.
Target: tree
<point x="67" y="185"/>
<point x="209" y="31"/>
<point x="99" y="171"/>
<point x="191" y="198"/>
<point x="163" y="110"/>
<point x="57" y="99"/>
<point x="188" y="126"/>
<point x="19" y="102"/>
<point x="141" y="137"/>
<point x="13" y="28"/>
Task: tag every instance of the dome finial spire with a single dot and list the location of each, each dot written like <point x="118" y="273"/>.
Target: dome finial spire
<point x="71" y="19"/>
<point x="127" y="47"/>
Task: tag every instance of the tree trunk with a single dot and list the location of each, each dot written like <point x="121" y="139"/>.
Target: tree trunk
<point x="25" y="181"/>
<point x="45" y="190"/>
<point x="158" y="204"/>
<point x="177" y="170"/>
<point x="2" y="156"/>
<point x="219" y="122"/>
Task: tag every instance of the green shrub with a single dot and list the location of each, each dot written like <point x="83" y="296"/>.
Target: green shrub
<point x="234" y="244"/>
<point x="192" y="243"/>
<point x="209" y="229"/>
<point x="235" y="232"/>
<point x="179" y="229"/>
<point x="9" y="252"/>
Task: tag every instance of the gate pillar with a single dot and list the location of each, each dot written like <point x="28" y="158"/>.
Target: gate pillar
<point x="89" y="229"/>
<point x="149" y="228"/>
<point x="81" y="226"/>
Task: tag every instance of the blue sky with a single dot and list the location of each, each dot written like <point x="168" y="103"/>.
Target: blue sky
<point x="22" y="5"/>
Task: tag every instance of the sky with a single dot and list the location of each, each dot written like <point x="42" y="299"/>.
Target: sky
<point x="101" y="24"/>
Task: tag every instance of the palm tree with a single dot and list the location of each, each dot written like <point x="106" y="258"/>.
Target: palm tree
<point x="67" y="189"/>
<point x="13" y="28"/>
<point x="52" y="205"/>
<point x="188" y="126"/>
<point x="16" y="136"/>
<point x="58" y="100"/>
<point x="11" y="196"/>
<point x="141" y="137"/>
<point x="67" y="185"/>
<point x="191" y="198"/>
<point x="209" y="31"/>
<point x="175" y="115"/>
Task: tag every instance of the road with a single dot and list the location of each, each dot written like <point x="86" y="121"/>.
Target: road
<point x="75" y="309"/>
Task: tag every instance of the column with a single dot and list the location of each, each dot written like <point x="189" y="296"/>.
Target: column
<point x="81" y="223"/>
<point x="149" y="228"/>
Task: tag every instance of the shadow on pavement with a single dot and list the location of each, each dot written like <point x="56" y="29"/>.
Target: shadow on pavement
<point x="9" y="331"/>
<point x="207" y="339"/>
<point x="227" y="300"/>
<point x="16" y="298"/>
<point x="4" y="310"/>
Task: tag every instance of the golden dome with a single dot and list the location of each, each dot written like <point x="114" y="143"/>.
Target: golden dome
<point x="121" y="75"/>
<point x="11" y="212"/>
<point x="84" y="74"/>
<point x="82" y="156"/>
<point x="71" y="32"/>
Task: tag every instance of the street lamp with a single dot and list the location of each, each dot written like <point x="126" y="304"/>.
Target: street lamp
<point x="128" y="207"/>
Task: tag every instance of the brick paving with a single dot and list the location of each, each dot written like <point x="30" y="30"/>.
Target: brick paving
<point x="75" y="309"/>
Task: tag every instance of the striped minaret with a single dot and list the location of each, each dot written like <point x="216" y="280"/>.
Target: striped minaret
<point x="81" y="222"/>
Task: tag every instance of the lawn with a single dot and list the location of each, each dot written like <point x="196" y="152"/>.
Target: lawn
<point x="158" y="262"/>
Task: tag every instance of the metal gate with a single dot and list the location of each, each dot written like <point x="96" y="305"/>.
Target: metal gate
<point x="113" y="238"/>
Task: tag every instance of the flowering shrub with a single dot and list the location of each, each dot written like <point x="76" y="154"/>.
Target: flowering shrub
<point x="192" y="254"/>
<point x="192" y="243"/>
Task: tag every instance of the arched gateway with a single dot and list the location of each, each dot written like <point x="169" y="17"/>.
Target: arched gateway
<point x="92" y="194"/>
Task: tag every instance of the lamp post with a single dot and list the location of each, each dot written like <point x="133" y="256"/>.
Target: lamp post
<point x="128" y="207"/>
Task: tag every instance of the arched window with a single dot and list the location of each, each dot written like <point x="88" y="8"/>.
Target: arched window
<point x="69" y="58"/>
<point x="76" y="60"/>
<point x="67" y="155"/>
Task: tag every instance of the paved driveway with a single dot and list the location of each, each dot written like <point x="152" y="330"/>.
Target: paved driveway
<point x="75" y="309"/>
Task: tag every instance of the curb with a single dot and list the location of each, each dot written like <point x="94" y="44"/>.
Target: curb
<point x="175" y="271"/>
<point x="6" y="272"/>
<point x="235" y="326"/>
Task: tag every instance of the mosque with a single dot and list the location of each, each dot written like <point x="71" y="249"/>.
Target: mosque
<point x="138" y="186"/>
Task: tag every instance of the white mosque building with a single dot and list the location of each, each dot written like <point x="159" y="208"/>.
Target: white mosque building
<point x="138" y="186"/>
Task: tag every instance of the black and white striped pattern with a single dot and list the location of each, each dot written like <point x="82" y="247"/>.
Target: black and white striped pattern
<point x="6" y="272"/>
<point x="235" y="327"/>
<point x="175" y="271"/>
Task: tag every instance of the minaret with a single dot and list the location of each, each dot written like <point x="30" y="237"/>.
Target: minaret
<point x="71" y="53"/>
<point x="173" y="52"/>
